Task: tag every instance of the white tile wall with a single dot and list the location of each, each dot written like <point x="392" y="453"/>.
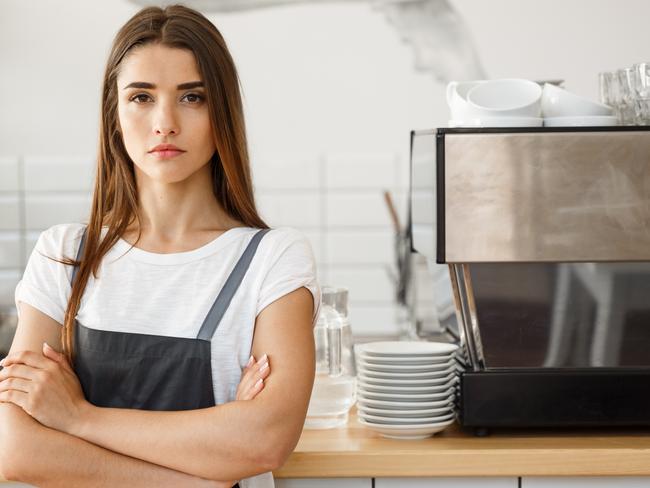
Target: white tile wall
<point x="295" y="209"/>
<point x="55" y="174"/>
<point x="37" y="192"/>
<point x="287" y="172"/>
<point x="9" y="181"/>
<point x="10" y="249"/>
<point x="8" y="280"/>
<point x="357" y="208"/>
<point x="335" y="199"/>
<point x="9" y="211"/>
<point x="370" y="171"/>
<point x="359" y="246"/>
<point x="365" y="283"/>
<point x="45" y="210"/>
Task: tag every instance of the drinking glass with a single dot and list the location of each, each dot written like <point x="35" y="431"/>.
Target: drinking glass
<point x="627" y="94"/>
<point x="642" y="93"/>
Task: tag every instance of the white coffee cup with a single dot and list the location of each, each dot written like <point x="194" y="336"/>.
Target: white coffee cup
<point x="558" y="102"/>
<point x="509" y="97"/>
<point x="457" y="98"/>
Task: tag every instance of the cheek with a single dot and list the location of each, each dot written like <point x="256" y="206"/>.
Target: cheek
<point x="133" y="128"/>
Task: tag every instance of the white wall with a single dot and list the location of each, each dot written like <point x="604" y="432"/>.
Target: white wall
<point x="328" y="89"/>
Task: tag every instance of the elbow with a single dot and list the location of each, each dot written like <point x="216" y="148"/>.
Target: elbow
<point x="281" y="443"/>
<point x="12" y="449"/>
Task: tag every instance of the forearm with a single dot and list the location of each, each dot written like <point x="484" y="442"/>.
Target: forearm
<point x="47" y="458"/>
<point x="229" y="441"/>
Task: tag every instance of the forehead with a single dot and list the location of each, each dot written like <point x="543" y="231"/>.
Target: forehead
<point x="158" y="64"/>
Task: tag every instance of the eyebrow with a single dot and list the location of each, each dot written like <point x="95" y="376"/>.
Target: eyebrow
<point x="151" y="86"/>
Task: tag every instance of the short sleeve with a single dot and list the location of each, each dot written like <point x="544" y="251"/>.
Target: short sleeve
<point x="45" y="284"/>
<point x="292" y="266"/>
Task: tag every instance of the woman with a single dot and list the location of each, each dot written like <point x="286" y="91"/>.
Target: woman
<point x="179" y="299"/>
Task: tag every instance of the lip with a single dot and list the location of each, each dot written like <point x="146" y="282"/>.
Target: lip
<point x="166" y="151"/>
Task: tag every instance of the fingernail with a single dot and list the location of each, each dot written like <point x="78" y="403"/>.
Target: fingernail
<point x="2" y="363"/>
<point x="264" y="366"/>
<point x="46" y="345"/>
<point x="262" y="359"/>
<point x="250" y="361"/>
<point x="259" y="382"/>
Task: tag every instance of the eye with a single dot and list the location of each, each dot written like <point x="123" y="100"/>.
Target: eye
<point x="137" y="97"/>
<point x="195" y="96"/>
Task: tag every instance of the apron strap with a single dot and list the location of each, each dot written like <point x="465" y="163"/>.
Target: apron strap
<point x="79" y="253"/>
<point x="226" y="294"/>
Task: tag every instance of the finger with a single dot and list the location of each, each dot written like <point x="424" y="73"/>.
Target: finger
<point x="17" y="384"/>
<point x="19" y="371"/>
<point x="29" y="358"/>
<point x="250" y="362"/>
<point x="259" y="370"/>
<point x="16" y="397"/>
<point x="54" y="355"/>
<point x="252" y="392"/>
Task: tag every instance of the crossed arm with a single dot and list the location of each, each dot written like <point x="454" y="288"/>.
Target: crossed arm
<point x="229" y="441"/>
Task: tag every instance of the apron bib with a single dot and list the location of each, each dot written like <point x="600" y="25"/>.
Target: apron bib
<point x="151" y="372"/>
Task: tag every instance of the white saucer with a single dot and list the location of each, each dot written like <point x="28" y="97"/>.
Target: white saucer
<point x="410" y="349"/>
<point x="581" y="121"/>
<point x="397" y="376"/>
<point x="398" y="397"/>
<point x="395" y="368"/>
<point x="376" y="419"/>
<point x="498" y="122"/>
<point x="407" y="431"/>
<point x="385" y="412"/>
<point x="404" y="361"/>
<point x="406" y="389"/>
<point x="405" y="405"/>
<point x="404" y="382"/>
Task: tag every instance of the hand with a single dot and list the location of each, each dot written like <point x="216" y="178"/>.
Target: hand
<point x="252" y="380"/>
<point x="45" y="386"/>
<point x="223" y="484"/>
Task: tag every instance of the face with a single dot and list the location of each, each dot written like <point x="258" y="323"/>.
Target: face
<point x="161" y="100"/>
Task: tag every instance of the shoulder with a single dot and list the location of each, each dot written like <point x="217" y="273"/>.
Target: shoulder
<point x="61" y="239"/>
<point x="279" y="239"/>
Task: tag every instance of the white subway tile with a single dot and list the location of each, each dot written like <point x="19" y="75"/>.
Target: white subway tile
<point x="9" y="212"/>
<point x="9" y="278"/>
<point x="359" y="246"/>
<point x="286" y="172"/>
<point x="360" y="170"/>
<point x="370" y="284"/>
<point x="30" y="242"/>
<point x="355" y="209"/>
<point x="43" y="211"/>
<point x="9" y="180"/>
<point x="290" y="209"/>
<point x="10" y="249"/>
<point x="375" y="319"/>
<point x="43" y="173"/>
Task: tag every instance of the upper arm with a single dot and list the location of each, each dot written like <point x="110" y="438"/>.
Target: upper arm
<point x="34" y="328"/>
<point x="283" y="330"/>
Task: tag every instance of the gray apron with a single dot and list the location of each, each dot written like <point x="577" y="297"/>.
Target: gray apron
<point x="151" y="372"/>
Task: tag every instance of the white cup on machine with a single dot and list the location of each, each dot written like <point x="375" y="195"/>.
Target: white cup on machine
<point x="511" y="97"/>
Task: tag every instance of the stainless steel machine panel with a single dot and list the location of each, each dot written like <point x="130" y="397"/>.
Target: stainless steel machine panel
<point x="546" y="196"/>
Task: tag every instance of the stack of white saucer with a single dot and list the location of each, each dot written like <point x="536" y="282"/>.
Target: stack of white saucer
<point x="406" y="389"/>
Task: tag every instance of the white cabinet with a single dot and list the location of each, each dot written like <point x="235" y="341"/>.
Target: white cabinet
<point x="323" y="482"/>
<point x="447" y="482"/>
<point x="586" y="482"/>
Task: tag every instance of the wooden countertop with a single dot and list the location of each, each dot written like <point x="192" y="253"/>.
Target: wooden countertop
<point x="356" y="451"/>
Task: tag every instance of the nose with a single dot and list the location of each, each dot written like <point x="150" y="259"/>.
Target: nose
<point x="165" y="121"/>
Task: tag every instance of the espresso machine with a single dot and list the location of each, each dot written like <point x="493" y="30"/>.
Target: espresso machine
<point x="542" y="238"/>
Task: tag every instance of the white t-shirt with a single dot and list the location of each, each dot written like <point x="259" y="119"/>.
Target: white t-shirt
<point x="171" y="294"/>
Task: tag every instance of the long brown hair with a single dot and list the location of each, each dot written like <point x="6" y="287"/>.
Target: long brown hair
<point x="115" y="200"/>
